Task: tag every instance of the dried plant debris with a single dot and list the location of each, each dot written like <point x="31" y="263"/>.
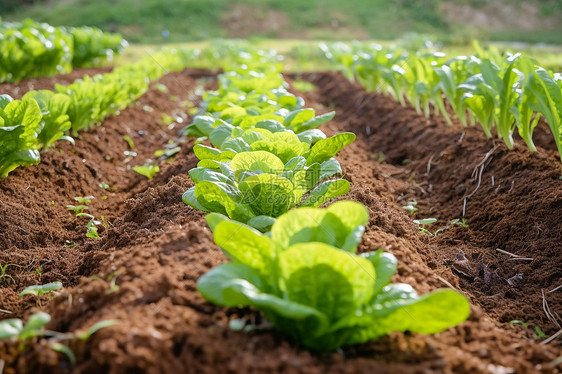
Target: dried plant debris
<point x="477" y="270"/>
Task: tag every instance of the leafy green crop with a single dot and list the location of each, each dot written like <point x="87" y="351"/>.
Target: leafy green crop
<point x="502" y="93"/>
<point x="20" y="121"/>
<point x="248" y="185"/>
<point x="308" y="281"/>
<point x="43" y="117"/>
<point x="30" y="49"/>
<point x="93" y="47"/>
<point x="56" y="122"/>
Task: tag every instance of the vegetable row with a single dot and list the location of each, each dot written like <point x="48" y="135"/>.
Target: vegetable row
<point x="503" y="93"/>
<point x="40" y="118"/>
<point x="30" y="49"/>
<point x="261" y="154"/>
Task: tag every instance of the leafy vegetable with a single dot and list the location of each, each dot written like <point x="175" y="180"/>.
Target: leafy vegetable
<point x="54" y="108"/>
<point x="309" y="282"/>
<point x="20" y="121"/>
<point x="258" y="183"/>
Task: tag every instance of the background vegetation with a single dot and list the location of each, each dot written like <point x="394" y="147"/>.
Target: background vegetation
<point x="189" y="20"/>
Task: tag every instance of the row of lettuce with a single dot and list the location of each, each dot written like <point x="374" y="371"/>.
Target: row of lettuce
<point x="260" y="154"/>
<point x="502" y="92"/>
<point x="29" y="49"/>
<point x="40" y="118"/>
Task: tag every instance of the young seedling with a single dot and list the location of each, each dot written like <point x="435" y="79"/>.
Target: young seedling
<point x="167" y="119"/>
<point x="91" y="225"/>
<point x="537" y="332"/>
<point x="14" y="330"/>
<point x="4" y="277"/>
<point x="411" y="207"/>
<point x="453" y="222"/>
<point x="160" y="87"/>
<point x="426" y="221"/>
<point x="129" y="141"/>
<point x="39" y="290"/>
<point x="163" y="154"/>
<point x="85" y="200"/>
<point x="107" y="187"/>
<point x="147" y="170"/>
<point x="112" y="280"/>
<point x="92" y="229"/>
<point x="77" y="209"/>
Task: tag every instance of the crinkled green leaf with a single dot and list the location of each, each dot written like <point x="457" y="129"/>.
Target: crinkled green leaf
<point x="20" y="122"/>
<point x="327" y="279"/>
<point x="268" y="194"/>
<point x="325" y="149"/>
<point x="341" y="225"/>
<point x="326" y="191"/>
<point x="315" y="122"/>
<point x="385" y="265"/>
<point x="243" y="244"/>
<point x="257" y="161"/>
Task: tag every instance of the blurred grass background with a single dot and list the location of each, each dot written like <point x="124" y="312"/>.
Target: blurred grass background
<point x="447" y="21"/>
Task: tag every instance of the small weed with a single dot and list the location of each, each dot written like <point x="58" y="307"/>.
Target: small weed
<point x="537" y="332"/>
<point x="129" y="141"/>
<point x="4" y="277"/>
<point x="16" y="331"/>
<point x="85" y="200"/>
<point x="147" y="170"/>
<point x="453" y="222"/>
<point x="411" y="207"/>
<point x="426" y="221"/>
<point x="77" y="209"/>
<point x="112" y="280"/>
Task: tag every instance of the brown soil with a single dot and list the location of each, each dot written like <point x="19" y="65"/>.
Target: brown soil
<point x="157" y="248"/>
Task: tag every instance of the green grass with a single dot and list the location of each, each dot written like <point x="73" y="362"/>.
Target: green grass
<point x="192" y="20"/>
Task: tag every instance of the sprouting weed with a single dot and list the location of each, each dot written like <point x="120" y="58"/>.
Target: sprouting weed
<point x="85" y="200"/>
<point x="411" y="207"/>
<point x="112" y="280"/>
<point x="92" y="229"/>
<point x="106" y="187"/>
<point x="77" y="209"/>
<point x="4" y="277"/>
<point x="453" y="222"/>
<point x="537" y="332"/>
<point x="426" y="221"/>
<point x="129" y="141"/>
<point x="14" y="330"/>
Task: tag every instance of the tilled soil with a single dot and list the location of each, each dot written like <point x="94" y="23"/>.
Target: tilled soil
<point x="143" y="270"/>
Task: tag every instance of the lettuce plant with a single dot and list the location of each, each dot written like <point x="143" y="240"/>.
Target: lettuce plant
<point x="20" y="121"/>
<point x="256" y="186"/>
<point x="54" y="108"/>
<point x="93" y="47"/>
<point x="309" y="282"/>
